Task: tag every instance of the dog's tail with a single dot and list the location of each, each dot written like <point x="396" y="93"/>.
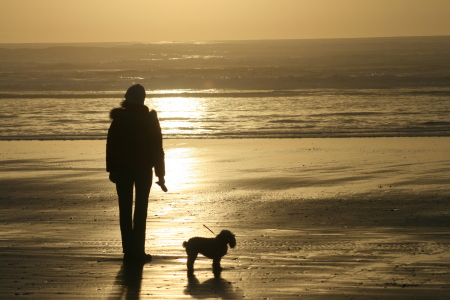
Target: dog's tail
<point x="185" y="244"/>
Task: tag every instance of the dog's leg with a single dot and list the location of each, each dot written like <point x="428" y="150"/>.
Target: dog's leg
<point x="217" y="269"/>
<point x="192" y="256"/>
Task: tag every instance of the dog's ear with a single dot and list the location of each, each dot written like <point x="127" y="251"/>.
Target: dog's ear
<point x="232" y="242"/>
<point x="228" y="237"/>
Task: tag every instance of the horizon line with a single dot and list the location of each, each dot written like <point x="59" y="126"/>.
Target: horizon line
<point x="225" y="40"/>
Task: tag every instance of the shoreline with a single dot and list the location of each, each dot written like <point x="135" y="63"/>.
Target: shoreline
<point x="71" y="139"/>
<point x="316" y="218"/>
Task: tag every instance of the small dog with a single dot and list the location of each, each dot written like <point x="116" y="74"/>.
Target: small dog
<point x="213" y="248"/>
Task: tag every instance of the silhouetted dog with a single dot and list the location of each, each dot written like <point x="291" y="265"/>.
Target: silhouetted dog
<point x="213" y="248"/>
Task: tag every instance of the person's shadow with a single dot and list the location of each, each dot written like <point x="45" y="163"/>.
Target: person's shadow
<point x="128" y="281"/>
<point x="211" y="288"/>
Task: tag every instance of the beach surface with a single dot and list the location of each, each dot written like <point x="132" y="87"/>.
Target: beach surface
<point x="350" y="218"/>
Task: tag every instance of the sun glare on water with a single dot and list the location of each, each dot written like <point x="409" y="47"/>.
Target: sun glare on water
<point x="179" y="115"/>
<point x="181" y="170"/>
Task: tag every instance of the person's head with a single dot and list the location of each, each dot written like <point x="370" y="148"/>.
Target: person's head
<point x="135" y="94"/>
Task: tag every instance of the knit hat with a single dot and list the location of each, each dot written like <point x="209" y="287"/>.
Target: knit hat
<point x="135" y="94"/>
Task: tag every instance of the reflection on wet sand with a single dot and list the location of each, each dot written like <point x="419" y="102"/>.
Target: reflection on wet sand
<point x="212" y="288"/>
<point x="325" y="218"/>
<point x="128" y="281"/>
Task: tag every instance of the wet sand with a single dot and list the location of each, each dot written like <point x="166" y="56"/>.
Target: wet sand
<point x="314" y="219"/>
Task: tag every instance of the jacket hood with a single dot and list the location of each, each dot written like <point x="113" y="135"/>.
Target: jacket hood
<point x="130" y="111"/>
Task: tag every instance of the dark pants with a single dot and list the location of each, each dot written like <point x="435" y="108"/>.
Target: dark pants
<point x="133" y="227"/>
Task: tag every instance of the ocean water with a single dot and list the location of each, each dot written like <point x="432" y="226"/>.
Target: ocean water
<point x="237" y="89"/>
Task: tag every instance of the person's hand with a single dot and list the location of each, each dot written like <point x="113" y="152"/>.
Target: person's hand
<point x="162" y="183"/>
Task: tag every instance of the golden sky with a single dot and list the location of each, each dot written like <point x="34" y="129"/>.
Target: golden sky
<point x="61" y="21"/>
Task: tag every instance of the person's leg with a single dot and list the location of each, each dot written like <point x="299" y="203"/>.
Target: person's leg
<point x="124" y="187"/>
<point x="142" y="184"/>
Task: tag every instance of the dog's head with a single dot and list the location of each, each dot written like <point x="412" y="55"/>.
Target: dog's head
<point x="228" y="237"/>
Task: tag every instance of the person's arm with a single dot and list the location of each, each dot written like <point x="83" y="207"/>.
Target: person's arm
<point x="160" y="167"/>
<point x="112" y="151"/>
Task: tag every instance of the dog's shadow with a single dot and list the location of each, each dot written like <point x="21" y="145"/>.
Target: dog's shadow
<point x="211" y="288"/>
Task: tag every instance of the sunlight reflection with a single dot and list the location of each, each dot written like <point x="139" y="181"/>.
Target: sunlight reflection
<point x="180" y="169"/>
<point x="182" y="174"/>
<point x="178" y="115"/>
<point x="167" y="239"/>
<point x="171" y="91"/>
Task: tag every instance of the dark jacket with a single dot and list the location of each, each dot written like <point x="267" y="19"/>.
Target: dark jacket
<point x="134" y="140"/>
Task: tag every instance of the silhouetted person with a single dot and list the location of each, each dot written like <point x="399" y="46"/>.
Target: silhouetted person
<point x="133" y="149"/>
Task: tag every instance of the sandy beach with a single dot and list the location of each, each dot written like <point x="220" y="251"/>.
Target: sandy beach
<point x="350" y="218"/>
